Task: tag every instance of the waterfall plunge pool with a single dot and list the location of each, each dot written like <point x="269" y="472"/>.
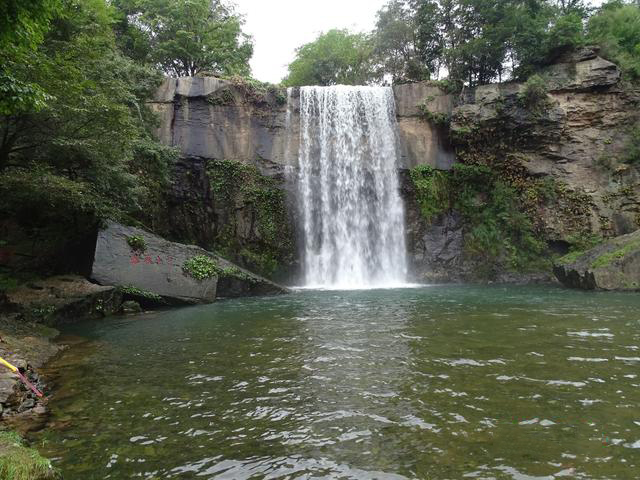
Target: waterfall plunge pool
<point x="438" y="382"/>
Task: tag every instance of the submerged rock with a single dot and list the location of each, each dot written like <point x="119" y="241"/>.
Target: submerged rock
<point x="147" y="265"/>
<point x="614" y="265"/>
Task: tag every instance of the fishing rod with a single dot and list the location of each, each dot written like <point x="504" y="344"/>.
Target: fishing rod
<point x="15" y="370"/>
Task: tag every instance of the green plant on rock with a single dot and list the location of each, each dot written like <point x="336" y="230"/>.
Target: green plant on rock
<point x="608" y="258"/>
<point x="137" y="243"/>
<point x="137" y="292"/>
<point x="201" y="267"/>
<point x="534" y="96"/>
<point x="238" y="187"/>
<point x="221" y="97"/>
<point x="437" y="119"/>
<point x="432" y="190"/>
<point x="632" y="150"/>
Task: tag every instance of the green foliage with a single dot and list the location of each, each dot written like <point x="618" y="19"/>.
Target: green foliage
<point x="18" y="462"/>
<point x="616" y="28"/>
<point x="432" y="190"/>
<point x="335" y="57"/>
<point x="85" y="152"/>
<point x="201" y="267"/>
<point x="632" y="150"/>
<point x="137" y="242"/>
<point x="534" y="96"/>
<point x="259" y="93"/>
<point x="137" y="292"/>
<point x="186" y="37"/>
<point x="438" y="119"/>
<point x="566" y="33"/>
<point x="579" y="243"/>
<point x="396" y="46"/>
<point x="499" y="232"/>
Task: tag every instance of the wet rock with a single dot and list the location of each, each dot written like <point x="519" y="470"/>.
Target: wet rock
<point x="157" y="269"/>
<point x="614" y="265"/>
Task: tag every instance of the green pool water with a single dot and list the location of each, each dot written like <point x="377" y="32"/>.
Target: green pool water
<point x="437" y="382"/>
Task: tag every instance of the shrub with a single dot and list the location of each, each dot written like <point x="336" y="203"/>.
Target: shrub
<point x="137" y="243"/>
<point x="201" y="267"/>
<point x="534" y="96"/>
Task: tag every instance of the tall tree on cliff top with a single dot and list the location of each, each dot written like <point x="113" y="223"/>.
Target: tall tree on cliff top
<point x="405" y="48"/>
<point x="187" y="37"/>
<point x="335" y="57"/>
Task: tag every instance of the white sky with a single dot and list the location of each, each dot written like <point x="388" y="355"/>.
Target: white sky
<point x="278" y="27"/>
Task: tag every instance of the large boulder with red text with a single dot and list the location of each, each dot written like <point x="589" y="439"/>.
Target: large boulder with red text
<point x="145" y="265"/>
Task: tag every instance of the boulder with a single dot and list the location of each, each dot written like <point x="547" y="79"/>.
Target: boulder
<point x="64" y="299"/>
<point x="145" y="264"/>
<point x="614" y="265"/>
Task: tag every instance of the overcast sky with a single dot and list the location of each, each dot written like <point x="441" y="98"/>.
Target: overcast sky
<point x="278" y="27"/>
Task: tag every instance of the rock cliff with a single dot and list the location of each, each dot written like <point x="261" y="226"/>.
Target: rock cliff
<point x="563" y="162"/>
<point x="230" y="187"/>
<point x="557" y="167"/>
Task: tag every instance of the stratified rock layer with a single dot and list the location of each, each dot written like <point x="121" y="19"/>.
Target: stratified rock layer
<point x="614" y="265"/>
<point x="159" y="269"/>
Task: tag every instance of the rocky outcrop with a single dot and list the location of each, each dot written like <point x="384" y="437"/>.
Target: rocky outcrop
<point x="435" y="247"/>
<point x="564" y="159"/>
<point x="614" y="265"/>
<point x="576" y="139"/>
<point x="147" y="264"/>
<point x="63" y="299"/>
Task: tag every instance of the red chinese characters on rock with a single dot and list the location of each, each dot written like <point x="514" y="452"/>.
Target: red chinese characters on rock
<point x="150" y="260"/>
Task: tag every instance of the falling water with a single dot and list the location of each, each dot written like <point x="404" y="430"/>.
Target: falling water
<point x="349" y="192"/>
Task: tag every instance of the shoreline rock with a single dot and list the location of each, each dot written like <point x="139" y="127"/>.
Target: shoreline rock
<point x="613" y="265"/>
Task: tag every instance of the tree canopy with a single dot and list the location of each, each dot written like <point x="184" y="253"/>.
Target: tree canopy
<point x="336" y="56"/>
<point x="472" y="42"/>
<point x="187" y="37"/>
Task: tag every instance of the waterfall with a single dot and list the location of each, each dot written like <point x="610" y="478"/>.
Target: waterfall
<point x="348" y="185"/>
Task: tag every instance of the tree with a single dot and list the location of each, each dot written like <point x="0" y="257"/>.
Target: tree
<point x="22" y="27"/>
<point x="91" y="138"/>
<point x="186" y="37"/>
<point x="335" y="57"/>
<point x="403" y="49"/>
<point x="616" y="27"/>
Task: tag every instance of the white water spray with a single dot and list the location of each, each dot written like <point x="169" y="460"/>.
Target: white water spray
<point x="349" y="190"/>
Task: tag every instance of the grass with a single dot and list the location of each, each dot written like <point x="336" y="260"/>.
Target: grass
<point x="18" y="462"/>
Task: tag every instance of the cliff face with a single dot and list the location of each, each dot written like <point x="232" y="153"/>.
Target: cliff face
<point x="229" y="188"/>
<point x="558" y="165"/>
<point x="564" y="160"/>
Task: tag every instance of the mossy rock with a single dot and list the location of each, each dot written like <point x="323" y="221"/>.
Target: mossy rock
<point x="613" y="265"/>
